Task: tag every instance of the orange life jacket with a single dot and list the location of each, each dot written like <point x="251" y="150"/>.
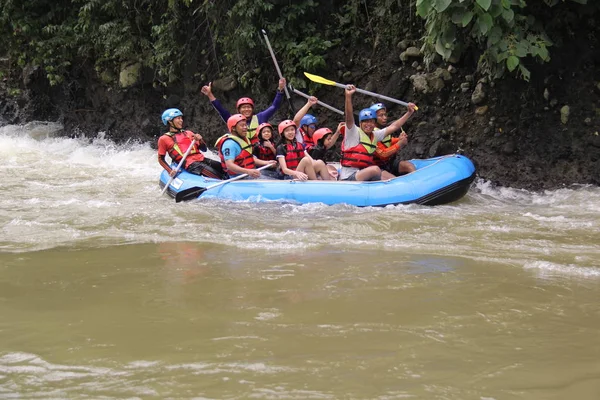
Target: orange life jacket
<point x="244" y="159"/>
<point x="386" y="143"/>
<point x="361" y="155"/>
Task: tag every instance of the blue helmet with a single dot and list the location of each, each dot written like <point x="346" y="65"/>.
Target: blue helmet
<point x="169" y="114"/>
<point x="366" y="113"/>
<point x="378" y="106"/>
<point x="308" y="120"/>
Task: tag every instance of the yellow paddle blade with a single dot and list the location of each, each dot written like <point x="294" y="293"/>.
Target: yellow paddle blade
<point x="319" y="79"/>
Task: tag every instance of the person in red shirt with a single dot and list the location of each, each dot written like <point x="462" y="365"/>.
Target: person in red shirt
<point x="176" y="142"/>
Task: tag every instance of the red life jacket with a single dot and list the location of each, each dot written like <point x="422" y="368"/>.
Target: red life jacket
<point x="263" y="153"/>
<point x="361" y="155"/>
<point x="181" y="142"/>
<point x="244" y="159"/>
<point x="294" y="153"/>
<point x="308" y="140"/>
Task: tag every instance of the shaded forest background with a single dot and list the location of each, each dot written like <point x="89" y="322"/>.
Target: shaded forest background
<point x="513" y="85"/>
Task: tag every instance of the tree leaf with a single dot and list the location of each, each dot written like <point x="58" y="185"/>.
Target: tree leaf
<point x="512" y="62"/>
<point x="441" y="5"/>
<point x="485" y="23"/>
<point x="485" y="4"/>
<point x="524" y="72"/>
<point x="508" y="15"/>
<point x="458" y="15"/>
<point x="522" y="48"/>
<point x="543" y="53"/>
<point x="423" y="7"/>
<point x="467" y="19"/>
<point x="494" y="36"/>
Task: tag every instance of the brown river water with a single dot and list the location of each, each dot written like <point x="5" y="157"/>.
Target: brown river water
<point x="110" y="291"/>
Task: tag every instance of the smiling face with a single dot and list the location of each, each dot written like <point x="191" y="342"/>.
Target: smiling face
<point x="241" y="128"/>
<point x="368" y="125"/>
<point x="246" y="110"/>
<point x="266" y="133"/>
<point x="177" y="122"/>
<point x="289" y="133"/>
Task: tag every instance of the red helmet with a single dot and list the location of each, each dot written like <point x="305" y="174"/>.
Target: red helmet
<point x="233" y="121"/>
<point x="244" y="100"/>
<point x="285" y="124"/>
<point x="261" y="126"/>
<point x="320" y="133"/>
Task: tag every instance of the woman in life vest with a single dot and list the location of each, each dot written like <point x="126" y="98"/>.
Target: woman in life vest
<point x="235" y="150"/>
<point x="245" y="106"/>
<point x="177" y="141"/>
<point x="360" y="142"/>
<point x="386" y="154"/>
<point x="293" y="160"/>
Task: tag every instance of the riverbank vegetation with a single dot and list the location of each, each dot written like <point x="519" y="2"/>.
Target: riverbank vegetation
<point x="173" y="37"/>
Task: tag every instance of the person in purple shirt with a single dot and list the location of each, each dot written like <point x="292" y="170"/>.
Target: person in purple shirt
<point x="245" y="106"/>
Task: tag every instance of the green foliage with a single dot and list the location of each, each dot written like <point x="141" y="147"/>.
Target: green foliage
<point x="177" y="38"/>
<point x="504" y="30"/>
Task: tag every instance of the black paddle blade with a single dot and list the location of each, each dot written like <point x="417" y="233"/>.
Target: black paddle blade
<point x="189" y="194"/>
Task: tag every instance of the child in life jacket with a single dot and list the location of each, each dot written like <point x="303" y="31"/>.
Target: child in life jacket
<point x="264" y="149"/>
<point x="293" y="160"/>
<point x="324" y="139"/>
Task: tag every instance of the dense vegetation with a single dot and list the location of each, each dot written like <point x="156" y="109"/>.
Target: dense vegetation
<point x="178" y="38"/>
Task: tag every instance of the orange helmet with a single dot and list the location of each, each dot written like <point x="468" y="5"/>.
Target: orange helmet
<point x="233" y="121"/>
<point x="285" y="124"/>
<point x="244" y="100"/>
<point x="261" y="126"/>
<point x="320" y="133"/>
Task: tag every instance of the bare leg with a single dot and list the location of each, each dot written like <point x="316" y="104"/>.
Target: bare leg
<point x="321" y="170"/>
<point x="406" y="167"/>
<point x="306" y="166"/>
<point x="333" y="172"/>
<point x="386" y="175"/>
<point x="372" y="173"/>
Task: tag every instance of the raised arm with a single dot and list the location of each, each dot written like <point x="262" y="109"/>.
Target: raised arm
<point x="266" y="115"/>
<point x="397" y="124"/>
<point x="312" y="100"/>
<point x="336" y="134"/>
<point x="349" y="112"/>
<point x="207" y="91"/>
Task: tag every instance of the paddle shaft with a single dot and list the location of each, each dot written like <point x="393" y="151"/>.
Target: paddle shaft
<point x="178" y="167"/>
<point x="287" y="94"/>
<point x="319" y="102"/>
<point x="379" y="96"/>
<point x="194" y="192"/>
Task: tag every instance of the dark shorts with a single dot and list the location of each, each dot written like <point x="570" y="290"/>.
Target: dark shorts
<point x="391" y="166"/>
<point x="207" y="167"/>
<point x="350" y="178"/>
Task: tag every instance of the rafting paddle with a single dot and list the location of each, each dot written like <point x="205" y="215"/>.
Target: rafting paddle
<point x="287" y="94"/>
<point x="178" y="168"/>
<point x="319" y="102"/>
<point x="323" y="81"/>
<point x="193" y="192"/>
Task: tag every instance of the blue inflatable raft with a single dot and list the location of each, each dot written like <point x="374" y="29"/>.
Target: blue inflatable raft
<point x="438" y="180"/>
